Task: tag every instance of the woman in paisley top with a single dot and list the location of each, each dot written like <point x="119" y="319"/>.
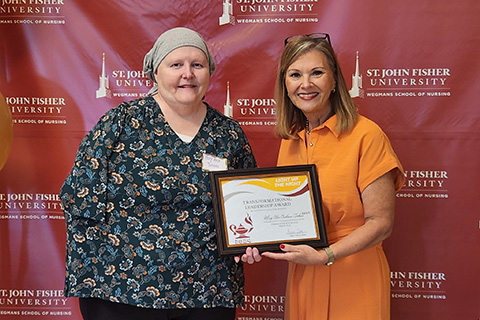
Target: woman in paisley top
<point x="141" y="241"/>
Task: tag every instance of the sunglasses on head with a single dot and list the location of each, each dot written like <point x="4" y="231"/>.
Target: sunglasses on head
<point x="316" y="36"/>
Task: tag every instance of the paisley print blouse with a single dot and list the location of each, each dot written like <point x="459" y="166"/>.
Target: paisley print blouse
<point x="138" y="210"/>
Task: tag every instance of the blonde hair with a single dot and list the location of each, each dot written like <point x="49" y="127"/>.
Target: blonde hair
<point x="290" y="119"/>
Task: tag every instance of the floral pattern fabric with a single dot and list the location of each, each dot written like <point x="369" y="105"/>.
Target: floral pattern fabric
<point x="138" y="209"/>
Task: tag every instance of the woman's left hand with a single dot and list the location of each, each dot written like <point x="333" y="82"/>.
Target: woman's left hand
<point x="250" y="256"/>
<point x="302" y="254"/>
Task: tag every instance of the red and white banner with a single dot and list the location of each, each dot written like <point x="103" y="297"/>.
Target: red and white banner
<point x="412" y="67"/>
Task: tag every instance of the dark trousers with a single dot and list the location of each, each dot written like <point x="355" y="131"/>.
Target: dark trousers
<point x="98" y="309"/>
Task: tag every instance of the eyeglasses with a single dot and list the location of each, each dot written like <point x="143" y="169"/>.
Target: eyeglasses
<point x="316" y="36"/>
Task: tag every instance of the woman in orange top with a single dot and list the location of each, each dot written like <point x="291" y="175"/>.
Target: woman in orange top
<point x="359" y="174"/>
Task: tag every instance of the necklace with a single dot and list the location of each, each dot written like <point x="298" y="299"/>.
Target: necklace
<point x="307" y="123"/>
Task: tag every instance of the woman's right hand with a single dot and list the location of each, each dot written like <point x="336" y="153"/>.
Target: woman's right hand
<point x="301" y="254"/>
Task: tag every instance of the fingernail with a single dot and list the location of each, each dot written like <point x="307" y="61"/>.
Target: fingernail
<point x="282" y="246"/>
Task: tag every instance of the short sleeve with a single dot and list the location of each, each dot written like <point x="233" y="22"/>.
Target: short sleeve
<point x="84" y="191"/>
<point x="376" y="158"/>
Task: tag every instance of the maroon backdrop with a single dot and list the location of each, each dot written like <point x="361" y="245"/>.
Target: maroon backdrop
<point x="413" y="69"/>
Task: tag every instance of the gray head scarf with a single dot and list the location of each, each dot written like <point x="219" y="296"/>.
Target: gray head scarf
<point x="166" y="43"/>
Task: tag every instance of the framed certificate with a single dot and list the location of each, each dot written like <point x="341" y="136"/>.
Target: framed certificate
<point x="264" y="207"/>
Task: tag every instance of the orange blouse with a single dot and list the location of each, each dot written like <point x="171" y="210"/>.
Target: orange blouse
<point x="357" y="286"/>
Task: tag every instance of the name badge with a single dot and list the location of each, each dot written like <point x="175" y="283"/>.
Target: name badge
<point x="213" y="163"/>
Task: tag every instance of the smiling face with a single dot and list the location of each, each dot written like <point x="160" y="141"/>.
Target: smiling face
<point x="183" y="77"/>
<point x="309" y="82"/>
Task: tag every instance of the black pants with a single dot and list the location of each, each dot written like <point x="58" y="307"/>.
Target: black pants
<point x="98" y="309"/>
